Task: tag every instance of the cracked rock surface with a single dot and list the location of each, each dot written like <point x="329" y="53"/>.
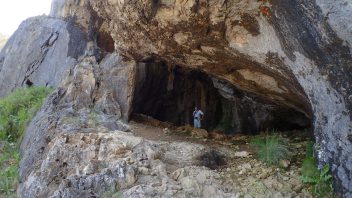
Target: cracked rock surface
<point x="39" y="53"/>
<point x="88" y="164"/>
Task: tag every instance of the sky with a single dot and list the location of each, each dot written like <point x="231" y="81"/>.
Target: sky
<point x="13" y="12"/>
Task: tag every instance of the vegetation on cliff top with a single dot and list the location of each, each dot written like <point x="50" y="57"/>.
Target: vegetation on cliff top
<point x="16" y="110"/>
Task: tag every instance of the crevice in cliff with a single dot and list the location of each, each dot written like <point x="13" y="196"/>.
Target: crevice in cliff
<point x="33" y="66"/>
<point x="170" y="93"/>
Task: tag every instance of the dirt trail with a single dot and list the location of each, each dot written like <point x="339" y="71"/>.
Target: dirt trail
<point x="170" y="134"/>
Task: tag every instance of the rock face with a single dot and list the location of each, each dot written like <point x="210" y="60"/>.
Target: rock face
<point x="82" y="102"/>
<point x="39" y="53"/>
<point x="293" y="55"/>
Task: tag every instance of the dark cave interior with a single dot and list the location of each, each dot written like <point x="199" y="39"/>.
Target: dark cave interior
<point x="169" y="94"/>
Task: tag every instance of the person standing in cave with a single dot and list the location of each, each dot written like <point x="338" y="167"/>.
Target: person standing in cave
<point x="197" y="117"/>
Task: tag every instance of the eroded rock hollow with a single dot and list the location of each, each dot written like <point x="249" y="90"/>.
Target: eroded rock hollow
<point x="250" y="65"/>
<point x="170" y="94"/>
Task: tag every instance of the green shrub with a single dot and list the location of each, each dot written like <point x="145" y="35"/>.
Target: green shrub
<point x="270" y="149"/>
<point x="309" y="166"/>
<point x="320" y="181"/>
<point x="17" y="109"/>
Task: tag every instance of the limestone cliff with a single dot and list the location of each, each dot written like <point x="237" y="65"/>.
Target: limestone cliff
<point x="292" y="55"/>
<point x="39" y="53"/>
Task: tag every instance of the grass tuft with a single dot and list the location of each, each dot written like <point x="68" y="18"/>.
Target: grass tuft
<point x="270" y="149"/>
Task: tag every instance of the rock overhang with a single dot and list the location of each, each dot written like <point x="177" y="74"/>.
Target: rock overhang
<point x="293" y="45"/>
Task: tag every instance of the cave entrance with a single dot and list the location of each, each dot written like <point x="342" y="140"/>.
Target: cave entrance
<point x="169" y="94"/>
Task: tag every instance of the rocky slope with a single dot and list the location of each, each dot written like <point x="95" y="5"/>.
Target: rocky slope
<point x="111" y="163"/>
<point x="293" y="55"/>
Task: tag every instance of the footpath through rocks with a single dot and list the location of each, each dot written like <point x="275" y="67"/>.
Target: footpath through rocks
<point x="229" y="159"/>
